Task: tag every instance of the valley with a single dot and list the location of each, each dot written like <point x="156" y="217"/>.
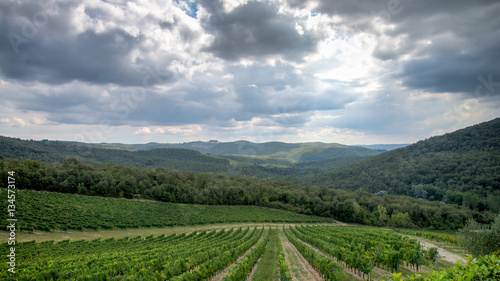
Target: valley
<point x="247" y="211"/>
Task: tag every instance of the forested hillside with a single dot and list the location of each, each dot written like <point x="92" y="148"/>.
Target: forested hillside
<point x="290" y="161"/>
<point x="73" y="176"/>
<point x="58" y="151"/>
<point x="293" y="152"/>
<point x="461" y="167"/>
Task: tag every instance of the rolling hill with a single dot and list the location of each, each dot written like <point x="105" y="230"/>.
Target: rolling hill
<point x="296" y="152"/>
<point x="167" y="158"/>
<point x="461" y="167"/>
<point x="236" y="158"/>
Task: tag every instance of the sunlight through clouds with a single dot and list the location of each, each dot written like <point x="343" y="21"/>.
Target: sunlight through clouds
<point x="294" y="70"/>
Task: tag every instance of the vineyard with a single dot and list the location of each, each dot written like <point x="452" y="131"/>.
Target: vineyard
<point x="264" y="253"/>
<point x="79" y="212"/>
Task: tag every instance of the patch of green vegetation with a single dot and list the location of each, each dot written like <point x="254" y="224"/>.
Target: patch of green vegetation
<point x="260" y="159"/>
<point x="443" y="236"/>
<point x="482" y="268"/>
<point x="56" y="211"/>
<point x="313" y="153"/>
<point x="167" y="158"/>
<point x="326" y="165"/>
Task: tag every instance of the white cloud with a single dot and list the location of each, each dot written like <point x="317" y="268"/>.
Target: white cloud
<point x="143" y="130"/>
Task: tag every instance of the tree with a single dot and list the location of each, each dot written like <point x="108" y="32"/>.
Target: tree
<point x="481" y="239"/>
<point x="382" y="214"/>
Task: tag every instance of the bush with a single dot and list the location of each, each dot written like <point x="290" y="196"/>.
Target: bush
<point x="481" y="239"/>
<point x="483" y="268"/>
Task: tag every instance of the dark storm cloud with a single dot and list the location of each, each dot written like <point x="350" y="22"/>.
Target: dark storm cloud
<point x="256" y="30"/>
<point x="90" y="57"/>
<point x="465" y="46"/>
<point x="363" y="66"/>
<point x="49" y="53"/>
<point x="455" y="74"/>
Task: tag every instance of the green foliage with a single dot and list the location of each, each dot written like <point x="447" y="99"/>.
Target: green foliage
<point x="307" y="152"/>
<point x="194" y="256"/>
<point x="58" y="151"/>
<point x="212" y="267"/>
<point x="285" y="274"/>
<point x="448" y="238"/>
<point x="361" y="247"/>
<point x="326" y="165"/>
<point x="482" y="268"/>
<point x="328" y="267"/>
<point x="260" y="159"/>
<point x="241" y="270"/>
<point x="481" y="239"/>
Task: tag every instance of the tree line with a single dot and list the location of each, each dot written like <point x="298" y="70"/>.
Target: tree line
<point x="75" y="176"/>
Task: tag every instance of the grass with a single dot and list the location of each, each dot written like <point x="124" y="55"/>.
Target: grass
<point x="267" y="268"/>
<point x="294" y="259"/>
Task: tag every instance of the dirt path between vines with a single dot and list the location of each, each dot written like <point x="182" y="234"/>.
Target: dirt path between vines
<point x="250" y="276"/>
<point x="346" y="268"/>
<point x="443" y="254"/>
<point x="303" y="270"/>
<point x="223" y="273"/>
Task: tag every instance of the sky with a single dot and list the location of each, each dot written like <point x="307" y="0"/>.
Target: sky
<point x="351" y="72"/>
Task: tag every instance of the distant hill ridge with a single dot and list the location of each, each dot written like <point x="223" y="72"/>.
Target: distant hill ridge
<point x="295" y="152"/>
<point x="57" y="151"/>
<point x="232" y="158"/>
<point x="386" y="147"/>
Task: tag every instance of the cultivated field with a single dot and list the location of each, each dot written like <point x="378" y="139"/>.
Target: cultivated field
<point x="226" y="252"/>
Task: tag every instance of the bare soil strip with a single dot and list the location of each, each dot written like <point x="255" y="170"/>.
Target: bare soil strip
<point x="443" y="254"/>
<point x="300" y="269"/>
<point x="250" y="276"/>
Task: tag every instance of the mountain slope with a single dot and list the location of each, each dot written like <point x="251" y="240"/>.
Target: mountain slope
<point x="461" y="167"/>
<point x="189" y="157"/>
<point x="386" y="147"/>
<point x="167" y="158"/>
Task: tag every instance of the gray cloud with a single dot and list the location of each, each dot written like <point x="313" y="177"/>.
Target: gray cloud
<point x="450" y="42"/>
<point x="91" y="57"/>
<point x="456" y="74"/>
<point x="52" y="53"/>
<point x="269" y="90"/>
<point x="256" y="30"/>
